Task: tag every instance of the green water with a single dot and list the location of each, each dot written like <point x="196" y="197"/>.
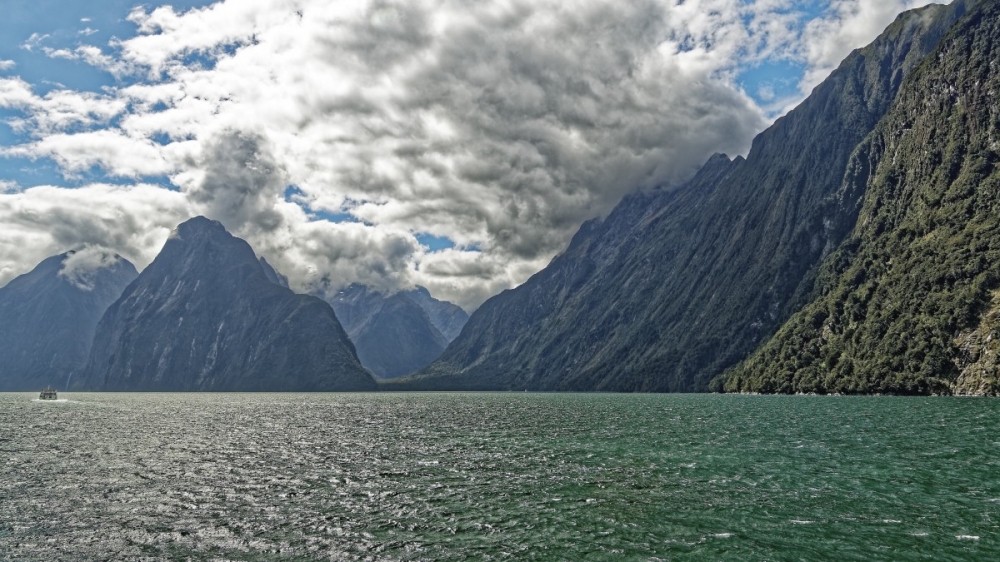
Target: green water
<point x="498" y="476"/>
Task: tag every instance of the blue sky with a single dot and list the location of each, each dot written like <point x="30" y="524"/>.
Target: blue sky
<point x="58" y="24"/>
<point x="452" y="145"/>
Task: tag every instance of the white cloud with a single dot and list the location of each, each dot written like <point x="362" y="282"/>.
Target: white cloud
<point x="499" y="125"/>
<point x="850" y="24"/>
<point x="80" y="265"/>
<point x="121" y="155"/>
<point x="6" y="64"/>
<point x="58" y="110"/>
<point x="43" y="221"/>
<point x="35" y="40"/>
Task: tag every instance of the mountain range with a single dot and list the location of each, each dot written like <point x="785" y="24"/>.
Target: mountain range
<point x="677" y="287"/>
<point x="397" y="334"/>
<point x="208" y="315"/>
<point x="855" y="249"/>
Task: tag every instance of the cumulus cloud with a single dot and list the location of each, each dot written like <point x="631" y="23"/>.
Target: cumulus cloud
<point x="42" y="221"/>
<point x="850" y="24"/>
<point x="79" y="266"/>
<point x="240" y="183"/>
<point x="55" y="112"/>
<point x="6" y="64"/>
<point x="501" y="126"/>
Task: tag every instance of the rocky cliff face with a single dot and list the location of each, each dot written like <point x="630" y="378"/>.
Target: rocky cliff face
<point x="397" y="334"/>
<point x="48" y="316"/>
<point x="207" y="315"/>
<point x="673" y="288"/>
<point x="909" y="302"/>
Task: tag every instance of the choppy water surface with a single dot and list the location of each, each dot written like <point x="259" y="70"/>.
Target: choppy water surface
<point x="498" y="476"/>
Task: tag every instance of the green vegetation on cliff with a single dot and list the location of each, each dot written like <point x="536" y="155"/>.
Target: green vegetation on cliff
<point x="909" y="303"/>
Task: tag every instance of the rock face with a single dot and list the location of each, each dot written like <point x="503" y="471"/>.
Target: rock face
<point x="207" y="315"/>
<point x="397" y="334"/>
<point x="48" y="316"/>
<point x="272" y="275"/>
<point x="910" y="302"/>
<point x="672" y="288"/>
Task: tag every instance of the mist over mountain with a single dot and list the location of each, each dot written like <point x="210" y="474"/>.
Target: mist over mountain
<point x="48" y="316"/>
<point x="672" y="288"/>
<point x="208" y="315"/>
<point x="396" y="334"/>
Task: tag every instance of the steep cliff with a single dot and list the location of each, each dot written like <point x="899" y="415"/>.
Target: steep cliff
<point x="909" y="303"/>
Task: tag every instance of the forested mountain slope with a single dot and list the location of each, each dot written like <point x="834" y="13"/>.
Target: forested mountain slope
<point x="910" y="303"/>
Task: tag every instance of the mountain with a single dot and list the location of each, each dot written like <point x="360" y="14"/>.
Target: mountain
<point x="272" y="275"/>
<point x="396" y="334"/>
<point x="674" y="287"/>
<point x="447" y="318"/>
<point x="910" y="302"/>
<point x="48" y="316"/>
<point x="206" y="315"/>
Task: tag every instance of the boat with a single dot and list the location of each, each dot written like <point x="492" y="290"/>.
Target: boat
<point x="48" y="394"/>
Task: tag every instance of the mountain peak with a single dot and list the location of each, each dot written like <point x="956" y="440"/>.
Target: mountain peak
<point x="199" y="226"/>
<point x="207" y="316"/>
<point x="50" y="315"/>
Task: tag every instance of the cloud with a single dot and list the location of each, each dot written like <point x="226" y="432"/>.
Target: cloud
<point x="119" y="154"/>
<point x="241" y="184"/>
<point x="501" y="126"/>
<point x="43" y="221"/>
<point x="6" y="64"/>
<point x="35" y="40"/>
<point x="79" y="266"/>
<point x="850" y="24"/>
<point x="59" y="110"/>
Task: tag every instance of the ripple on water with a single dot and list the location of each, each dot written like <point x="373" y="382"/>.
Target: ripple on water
<point x="497" y="477"/>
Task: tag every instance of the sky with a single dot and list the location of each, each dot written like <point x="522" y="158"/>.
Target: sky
<point x="450" y="144"/>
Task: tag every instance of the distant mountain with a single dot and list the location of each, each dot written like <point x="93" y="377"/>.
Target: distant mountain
<point x="396" y="334"/>
<point x="910" y="302"/>
<point x="672" y="288"/>
<point x="207" y="315"/>
<point x="448" y="318"/>
<point x="48" y="316"/>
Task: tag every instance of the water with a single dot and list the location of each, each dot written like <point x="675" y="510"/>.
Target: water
<point x="498" y="477"/>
